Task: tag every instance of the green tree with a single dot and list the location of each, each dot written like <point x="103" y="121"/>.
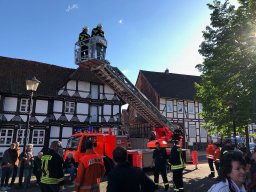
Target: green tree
<point x="228" y="90"/>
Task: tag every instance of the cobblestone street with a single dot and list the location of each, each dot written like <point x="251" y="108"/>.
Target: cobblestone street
<point x="194" y="180"/>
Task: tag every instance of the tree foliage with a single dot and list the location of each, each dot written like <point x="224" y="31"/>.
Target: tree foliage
<point x="228" y="87"/>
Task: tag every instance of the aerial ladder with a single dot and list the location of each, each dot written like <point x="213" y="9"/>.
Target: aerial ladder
<point x="115" y="79"/>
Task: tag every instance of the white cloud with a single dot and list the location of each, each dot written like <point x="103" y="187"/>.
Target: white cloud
<point x="120" y="21"/>
<point x="125" y="71"/>
<point x="72" y="7"/>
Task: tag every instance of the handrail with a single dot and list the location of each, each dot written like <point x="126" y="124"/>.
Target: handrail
<point x="90" y="50"/>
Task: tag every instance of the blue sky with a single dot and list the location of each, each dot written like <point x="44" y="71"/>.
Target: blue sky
<point x="142" y="34"/>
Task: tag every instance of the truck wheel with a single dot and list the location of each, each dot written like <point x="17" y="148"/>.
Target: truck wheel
<point x="109" y="164"/>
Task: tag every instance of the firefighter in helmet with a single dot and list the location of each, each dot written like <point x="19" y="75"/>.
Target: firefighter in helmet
<point x="177" y="165"/>
<point x="100" y="48"/>
<point x="90" y="170"/>
<point x="84" y="38"/>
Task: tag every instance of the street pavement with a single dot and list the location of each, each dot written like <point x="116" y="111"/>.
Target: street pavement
<point x="194" y="180"/>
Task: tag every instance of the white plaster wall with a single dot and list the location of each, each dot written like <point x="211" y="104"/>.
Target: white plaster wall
<point x="60" y="91"/>
<point x="107" y="118"/>
<point x="109" y="96"/>
<point x="66" y="131"/>
<point x="69" y="117"/>
<point x="23" y="117"/>
<point x="55" y="131"/>
<point x="108" y="89"/>
<point x="8" y="117"/>
<point x="41" y="106"/>
<point x="81" y="117"/>
<point x="71" y="93"/>
<point x="57" y="106"/>
<point x="57" y="116"/>
<point x="40" y="118"/>
<point x="3" y="149"/>
<point x="203" y="132"/>
<point x="107" y="110"/>
<point x="101" y="88"/>
<point x="10" y="103"/>
<point x="100" y="110"/>
<point x="83" y="86"/>
<point x="169" y="114"/>
<point x="162" y="100"/>
<point x="192" y="140"/>
<point x="82" y="108"/>
<point x="83" y="94"/>
<point x="36" y="150"/>
<point x="71" y="84"/>
<point x="180" y="115"/>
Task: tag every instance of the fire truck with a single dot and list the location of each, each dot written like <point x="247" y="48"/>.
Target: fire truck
<point x="104" y="143"/>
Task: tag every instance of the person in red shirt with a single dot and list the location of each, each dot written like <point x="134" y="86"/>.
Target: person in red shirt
<point x="217" y="157"/>
<point x="90" y="170"/>
<point x="210" y="156"/>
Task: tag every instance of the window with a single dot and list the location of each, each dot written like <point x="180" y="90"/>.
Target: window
<point x="24" y="105"/>
<point x="38" y="137"/>
<point x="180" y="107"/>
<point x="200" y="108"/>
<point x="95" y="91"/>
<point x="192" y="131"/>
<point x="94" y="113"/>
<point x="69" y="107"/>
<point x="6" y="136"/>
<point x="73" y="142"/>
<point x="21" y="135"/>
<point x="191" y="108"/>
<point x="169" y="106"/>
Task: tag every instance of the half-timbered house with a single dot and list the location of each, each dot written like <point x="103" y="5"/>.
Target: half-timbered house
<point x="174" y="95"/>
<point x="67" y="101"/>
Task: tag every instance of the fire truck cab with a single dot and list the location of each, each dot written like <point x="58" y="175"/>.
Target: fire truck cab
<point x="104" y="144"/>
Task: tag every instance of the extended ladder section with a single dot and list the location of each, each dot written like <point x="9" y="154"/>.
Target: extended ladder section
<point x="115" y="79"/>
<point x="92" y="56"/>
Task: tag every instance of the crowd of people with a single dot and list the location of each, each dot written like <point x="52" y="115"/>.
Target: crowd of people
<point x="235" y="167"/>
<point x="49" y="168"/>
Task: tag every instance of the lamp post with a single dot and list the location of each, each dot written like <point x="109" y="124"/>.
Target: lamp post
<point x="31" y="86"/>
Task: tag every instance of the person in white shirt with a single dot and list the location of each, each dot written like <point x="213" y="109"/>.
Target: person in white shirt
<point x="232" y="174"/>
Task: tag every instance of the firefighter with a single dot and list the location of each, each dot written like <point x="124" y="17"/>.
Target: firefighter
<point x="52" y="179"/>
<point x="90" y="170"/>
<point x="84" y="38"/>
<point x="97" y="31"/>
<point x="210" y="157"/>
<point x="217" y="157"/>
<point x="160" y="160"/>
<point x="101" y="50"/>
<point x="177" y="166"/>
